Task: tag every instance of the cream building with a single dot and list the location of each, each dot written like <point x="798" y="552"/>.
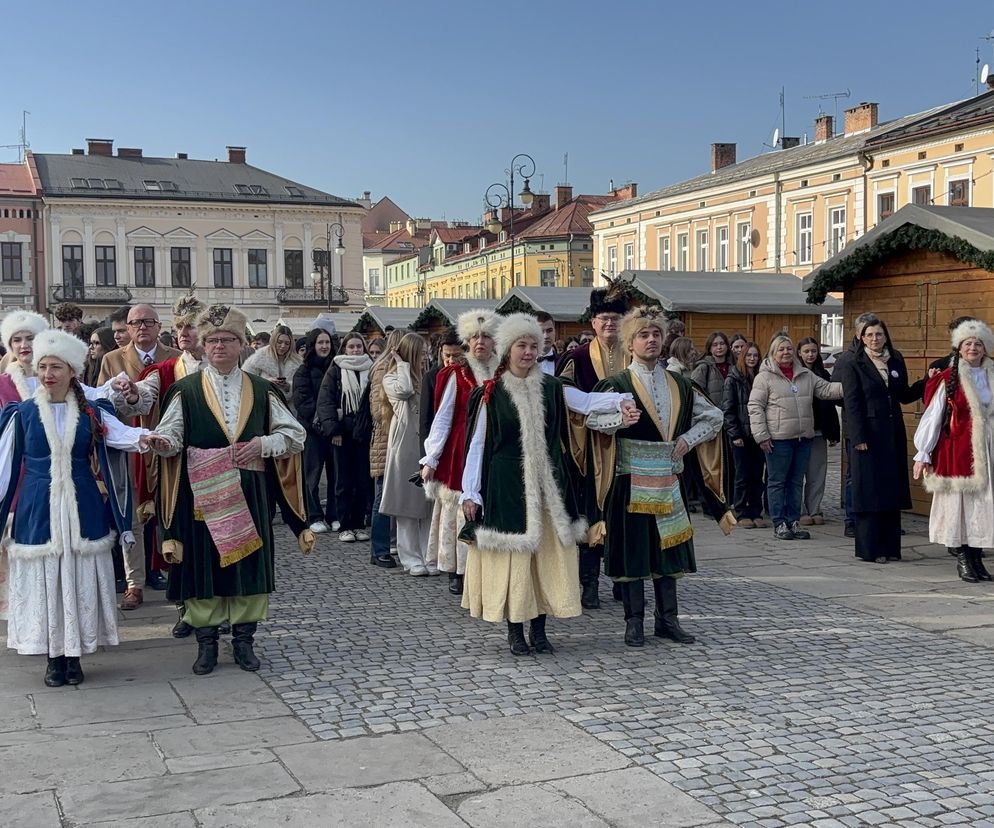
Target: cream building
<point x="124" y="229"/>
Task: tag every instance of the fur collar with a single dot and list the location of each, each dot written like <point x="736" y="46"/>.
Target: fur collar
<point x="543" y="499"/>
<point x="482" y="371"/>
<point x="20" y="380"/>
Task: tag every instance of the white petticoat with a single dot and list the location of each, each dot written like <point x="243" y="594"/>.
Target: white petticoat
<point x="965" y="518"/>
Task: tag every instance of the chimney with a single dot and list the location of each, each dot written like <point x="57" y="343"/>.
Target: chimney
<point x="395" y="226"/>
<point x="564" y="195"/>
<point x="722" y="155"/>
<point x="540" y="202"/>
<point x="236" y="155"/>
<point x="789" y="143"/>
<point x="182" y="156"/>
<point x="100" y="146"/>
<point x="412" y="227"/>
<point x="365" y="195"/>
<point x="824" y="128"/>
<point x="861" y="117"/>
<point x="129" y="152"/>
<point x="990" y="81"/>
<point x="626" y="191"/>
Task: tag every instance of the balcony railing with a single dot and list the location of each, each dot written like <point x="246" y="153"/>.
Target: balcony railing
<point x="90" y="294"/>
<point x="312" y="296"/>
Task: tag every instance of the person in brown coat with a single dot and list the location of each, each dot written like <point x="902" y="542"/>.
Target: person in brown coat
<point x="381" y="412"/>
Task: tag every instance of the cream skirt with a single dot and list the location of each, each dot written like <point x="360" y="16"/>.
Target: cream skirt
<point x="965" y="518"/>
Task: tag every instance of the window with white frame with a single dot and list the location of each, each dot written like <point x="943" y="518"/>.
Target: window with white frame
<point x="664" y="253"/>
<point x="922" y="195"/>
<point x="743" y="233"/>
<point x="629" y="256"/>
<point x="723" y="248"/>
<point x="885" y="205"/>
<point x="959" y="193"/>
<point x="805" y="238"/>
<point x="547" y="277"/>
<point x="836" y="230"/>
<point x="682" y="251"/>
<point x="612" y="262"/>
<point x="374" y="280"/>
<point x="258" y="267"/>
<point x="831" y="330"/>
<point x="702" y="249"/>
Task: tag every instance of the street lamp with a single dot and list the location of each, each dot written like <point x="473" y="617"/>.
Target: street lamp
<point x="325" y="261"/>
<point x="502" y="195"/>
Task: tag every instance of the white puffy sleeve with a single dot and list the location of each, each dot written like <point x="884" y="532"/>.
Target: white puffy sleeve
<point x="594" y="402"/>
<point x="930" y="426"/>
<point x="472" y="473"/>
<point x="707" y="421"/>
<point x="148" y="394"/>
<point x="441" y="425"/>
<point x="121" y="436"/>
<point x="171" y="426"/>
<point x="286" y="435"/>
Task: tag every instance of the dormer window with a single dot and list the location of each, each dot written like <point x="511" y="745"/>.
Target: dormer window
<point x="96" y="183"/>
<point x="151" y="185"/>
<point x="78" y="183"/>
<point x="251" y="189"/>
<point x="294" y="192"/>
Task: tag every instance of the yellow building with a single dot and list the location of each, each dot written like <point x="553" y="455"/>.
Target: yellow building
<point x="791" y="209"/>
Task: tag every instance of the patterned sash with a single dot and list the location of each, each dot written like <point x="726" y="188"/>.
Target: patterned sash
<point x="219" y="501"/>
<point x="655" y="487"/>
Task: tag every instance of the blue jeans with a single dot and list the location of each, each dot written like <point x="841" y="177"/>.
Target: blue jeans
<point x="785" y="467"/>
<point x="380" y="525"/>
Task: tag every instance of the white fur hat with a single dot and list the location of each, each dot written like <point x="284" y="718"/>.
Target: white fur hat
<point x="970" y="328"/>
<point x="69" y="349"/>
<point x="21" y="320"/>
<point x="515" y="327"/>
<point x="473" y="322"/>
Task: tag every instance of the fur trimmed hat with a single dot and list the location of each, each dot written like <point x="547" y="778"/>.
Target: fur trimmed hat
<point x="965" y="330"/>
<point x="477" y="321"/>
<point x="21" y="320"/>
<point x="515" y="327"/>
<point x="607" y="300"/>
<point x="640" y="318"/>
<point x="186" y="309"/>
<point x="67" y="310"/>
<point x="70" y="349"/>
<point x="222" y="318"/>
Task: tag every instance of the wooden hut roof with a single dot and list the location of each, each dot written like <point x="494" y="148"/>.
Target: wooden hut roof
<point x="447" y="311"/>
<point x="382" y="318"/>
<point x="562" y="304"/>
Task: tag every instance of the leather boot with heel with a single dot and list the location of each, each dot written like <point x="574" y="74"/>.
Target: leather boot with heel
<point x="537" y="637"/>
<point x="74" y="671"/>
<point x="242" y="636"/>
<point x="590" y="571"/>
<point x="516" y="638"/>
<point x="633" y="599"/>
<point x="55" y="672"/>
<point x="978" y="564"/>
<point x="667" y="612"/>
<point x="206" y="650"/>
<point x="964" y="565"/>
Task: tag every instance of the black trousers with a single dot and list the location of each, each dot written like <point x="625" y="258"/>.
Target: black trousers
<point x="352" y="483"/>
<point x="878" y="533"/>
<point x="750" y="464"/>
<point x="318" y="460"/>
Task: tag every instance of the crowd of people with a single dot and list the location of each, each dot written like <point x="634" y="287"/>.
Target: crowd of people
<point x="520" y="466"/>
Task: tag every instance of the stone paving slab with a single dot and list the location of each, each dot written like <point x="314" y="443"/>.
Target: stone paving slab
<point x="27" y="768"/>
<point x="36" y="810"/>
<point x="16" y="714"/>
<point x="231" y="736"/>
<point x="397" y="805"/>
<point x="506" y="807"/>
<point x="525" y="749"/>
<point x="231" y="695"/>
<point x="174" y="792"/>
<point x="109" y="704"/>
<point x="175" y="820"/>
<point x="321" y="766"/>
<point x="231" y="759"/>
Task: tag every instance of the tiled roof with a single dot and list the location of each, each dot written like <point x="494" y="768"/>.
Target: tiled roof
<point x="454" y="235"/>
<point x="400" y="240"/>
<point x="977" y="110"/>
<point x="778" y="161"/>
<point x="572" y="218"/>
<point x="15" y="180"/>
<point x="190" y="180"/>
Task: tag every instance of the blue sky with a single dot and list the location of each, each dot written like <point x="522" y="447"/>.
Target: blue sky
<point x="427" y="101"/>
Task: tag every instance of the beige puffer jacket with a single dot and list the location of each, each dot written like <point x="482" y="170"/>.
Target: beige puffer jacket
<point x="782" y="409"/>
<point x="381" y="411"/>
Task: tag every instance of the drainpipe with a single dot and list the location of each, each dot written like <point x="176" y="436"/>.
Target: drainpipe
<point x="37" y="240"/>
<point x="867" y="161"/>
<point x="777" y="232"/>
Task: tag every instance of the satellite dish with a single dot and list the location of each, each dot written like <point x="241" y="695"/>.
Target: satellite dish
<point x="984" y="73"/>
<point x="776" y="138"/>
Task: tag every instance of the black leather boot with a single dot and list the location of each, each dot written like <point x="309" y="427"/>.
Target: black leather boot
<point x="242" y="636"/>
<point x="516" y="638"/>
<point x="964" y="566"/>
<point x="978" y="564"/>
<point x="206" y="650"/>
<point x="667" y="612"/>
<point x="537" y="637"/>
<point x="181" y="629"/>
<point x="455" y="583"/>
<point x="617" y="592"/>
<point x="55" y="673"/>
<point x="74" y="671"/>
<point x="590" y="570"/>
<point x="633" y="598"/>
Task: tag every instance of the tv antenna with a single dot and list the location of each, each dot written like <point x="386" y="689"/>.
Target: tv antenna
<point x="835" y="96"/>
<point x="22" y="145"/>
<point x="780" y="130"/>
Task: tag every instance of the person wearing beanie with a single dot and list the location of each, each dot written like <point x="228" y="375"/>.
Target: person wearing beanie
<point x="646" y="530"/>
<point x="955" y="450"/>
<point x="227" y="444"/>
<point x="61" y="570"/>
<point x="445" y="444"/>
<point x="583" y="368"/>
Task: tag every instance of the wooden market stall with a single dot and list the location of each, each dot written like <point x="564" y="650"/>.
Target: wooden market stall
<point x="378" y="320"/>
<point x="918" y="269"/>
<point x="566" y="306"/>
<point x="439" y="314"/>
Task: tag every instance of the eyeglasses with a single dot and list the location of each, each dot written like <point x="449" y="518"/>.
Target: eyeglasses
<point x="214" y="341"/>
<point x="608" y="320"/>
<point x="143" y="323"/>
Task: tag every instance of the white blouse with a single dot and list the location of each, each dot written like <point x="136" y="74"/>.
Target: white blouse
<point x="930" y="425"/>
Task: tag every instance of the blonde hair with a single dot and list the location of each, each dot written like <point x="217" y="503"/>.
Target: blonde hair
<point x="638" y="319"/>
<point x="775" y="343"/>
<point x="411" y="349"/>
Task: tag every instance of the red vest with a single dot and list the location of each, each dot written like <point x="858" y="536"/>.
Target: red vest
<point x="450" y="464"/>
<point x="953" y="466"/>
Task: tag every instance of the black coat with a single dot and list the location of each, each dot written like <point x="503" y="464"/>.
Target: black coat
<point x="735" y="405"/>
<point x="874" y="416"/>
<point x="306" y="384"/>
<point x="826" y="415"/>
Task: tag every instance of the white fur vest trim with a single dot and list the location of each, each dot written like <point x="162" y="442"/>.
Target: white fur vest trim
<point x="542" y="495"/>
<point x="62" y="492"/>
<point x="978" y="480"/>
<point x="19" y="378"/>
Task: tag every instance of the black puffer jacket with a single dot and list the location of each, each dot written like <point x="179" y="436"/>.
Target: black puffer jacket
<point x="735" y="405"/>
<point x="306" y="385"/>
<point x="827" y="413"/>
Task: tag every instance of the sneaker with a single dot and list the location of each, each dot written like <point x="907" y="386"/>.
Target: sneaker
<point x="385" y="563"/>
<point x="782" y="532"/>
<point x="318" y="527"/>
<point x="418" y="570"/>
<point x="806" y="520"/>
<point x="433" y="570"/>
<point x="361" y="535"/>
<point x="798" y="532"/>
<point x="348" y="536"/>
<point x="335" y="525"/>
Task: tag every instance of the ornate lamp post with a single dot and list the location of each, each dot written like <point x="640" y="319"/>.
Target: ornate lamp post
<point x="502" y="195"/>
<point x="321" y="262"/>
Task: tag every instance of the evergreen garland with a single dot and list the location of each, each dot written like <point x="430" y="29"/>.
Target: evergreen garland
<point x="515" y="304"/>
<point x="427" y="317"/>
<point x="366" y="324"/>
<point x="907" y="237"/>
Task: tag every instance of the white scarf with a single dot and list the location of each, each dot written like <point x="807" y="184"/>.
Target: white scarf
<point x="354" y="370"/>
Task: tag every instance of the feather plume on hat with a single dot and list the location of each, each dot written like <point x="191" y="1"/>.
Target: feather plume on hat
<point x="186" y="309"/>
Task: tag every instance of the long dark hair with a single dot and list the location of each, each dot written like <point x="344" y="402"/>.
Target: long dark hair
<point x="818" y="366"/>
<point x="311" y="358"/>
<point x="951" y="388"/>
